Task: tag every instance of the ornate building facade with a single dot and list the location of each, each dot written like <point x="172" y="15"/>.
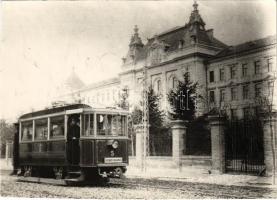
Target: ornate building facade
<point x="231" y="78"/>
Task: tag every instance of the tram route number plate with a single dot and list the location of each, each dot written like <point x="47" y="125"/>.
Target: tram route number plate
<point x="113" y="160"/>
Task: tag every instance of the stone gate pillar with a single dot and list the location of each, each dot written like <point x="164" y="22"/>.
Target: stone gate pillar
<point x="139" y="143"/>
<point x="179" y="128"/>
<point x="269" y="124"/>
<point x="217" y="143"/>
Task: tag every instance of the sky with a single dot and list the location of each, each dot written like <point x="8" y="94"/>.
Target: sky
<point x="43" y="41"/>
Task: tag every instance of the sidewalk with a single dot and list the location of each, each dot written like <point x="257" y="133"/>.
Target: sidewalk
<point x="6" y="164"/>
<point x="194" y="175"/>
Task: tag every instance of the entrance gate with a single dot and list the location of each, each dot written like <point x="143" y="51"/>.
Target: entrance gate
<point x="244" y="151"/>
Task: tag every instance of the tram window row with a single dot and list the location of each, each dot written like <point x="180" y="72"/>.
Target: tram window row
<point x="91" y="125"/>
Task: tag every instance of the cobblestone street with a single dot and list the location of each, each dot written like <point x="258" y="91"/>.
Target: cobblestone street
<point x="131" y="188"/>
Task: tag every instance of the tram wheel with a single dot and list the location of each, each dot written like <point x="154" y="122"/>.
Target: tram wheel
<point x="58" y="172"/>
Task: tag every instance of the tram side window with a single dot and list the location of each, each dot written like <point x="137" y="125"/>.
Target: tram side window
<point x="27" y="131"/>
<point x="57" y="127"/>
<point x="41" y="129"/>
<point x="88" y="125"/>
<point x="101" y="124"/>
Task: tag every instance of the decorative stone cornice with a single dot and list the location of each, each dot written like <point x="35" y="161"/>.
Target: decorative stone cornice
<point x="179" y="124"/>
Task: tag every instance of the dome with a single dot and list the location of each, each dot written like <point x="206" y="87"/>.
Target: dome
<point x="73" y="82"/>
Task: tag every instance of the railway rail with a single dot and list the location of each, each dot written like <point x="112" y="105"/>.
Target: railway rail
<point x="196" y="189"/>
<point x="202" y="190"/>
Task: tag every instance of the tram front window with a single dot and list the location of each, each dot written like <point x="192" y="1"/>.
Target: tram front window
<point x="41" y="129"/>
<point x="111" y="125"/>
<point x="88" y="125"/>
<point x="27" y="131"/>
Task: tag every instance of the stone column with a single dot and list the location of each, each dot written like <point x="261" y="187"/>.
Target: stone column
<point x="139" y="144"/>
<point x="268" y="128"/>
<point x="178" y="140"/>
<point x="218" y="143"/>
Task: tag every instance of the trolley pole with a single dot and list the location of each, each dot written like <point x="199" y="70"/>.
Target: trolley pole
<point x="145" y="120"/>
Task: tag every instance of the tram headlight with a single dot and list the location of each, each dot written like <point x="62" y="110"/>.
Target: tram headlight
<point x="115" y="144"/>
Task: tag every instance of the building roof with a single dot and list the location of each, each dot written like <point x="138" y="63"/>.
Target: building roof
<point x="247" y="46"/>
<point x="113" y="80"/>
<point x="172" y="38"/>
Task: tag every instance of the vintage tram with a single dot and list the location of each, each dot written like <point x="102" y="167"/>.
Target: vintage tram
<point x="73" y="142"/>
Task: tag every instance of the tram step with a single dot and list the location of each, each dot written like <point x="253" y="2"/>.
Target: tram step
<point x="72" y="180"/>
<point x="41" y="180"/>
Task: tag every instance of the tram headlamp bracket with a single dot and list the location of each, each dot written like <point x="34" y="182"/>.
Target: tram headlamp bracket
<point x="113" y="143"/>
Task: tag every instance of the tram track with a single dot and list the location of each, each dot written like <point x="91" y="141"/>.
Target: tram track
<point x="201" y="190"/>
<point x="198" y="190"/>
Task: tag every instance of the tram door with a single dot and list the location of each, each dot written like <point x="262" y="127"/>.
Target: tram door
<point x="73" y="136"/>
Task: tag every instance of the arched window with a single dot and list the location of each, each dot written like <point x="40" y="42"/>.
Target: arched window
<point x="174" y="82"/>
<point x="158" y="86"/>
<point x="181" y="44"/>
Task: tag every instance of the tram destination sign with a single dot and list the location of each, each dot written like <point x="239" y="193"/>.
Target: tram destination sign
<point x="113" y="160"/>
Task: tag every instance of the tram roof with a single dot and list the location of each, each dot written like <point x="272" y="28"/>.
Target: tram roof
<point x="60" y="109"/>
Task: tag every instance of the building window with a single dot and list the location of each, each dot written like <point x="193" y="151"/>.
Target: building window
<point x="221" y="74"/>
<point x="222" y="95"/>
<point x="246" y="113"/>
<point x="157" y="86"/>
<point x="108" y="96"/>
<point x="233" y="94"/>
<point x="269" y="64"/>
<point x="98" y="96"/>
<point x="174" y="82"/>
<point x="181" y="44"/>
<point x="193" y="39"/>
<point x="234" y="114"/>
<point x="244" y="70"/>
<point x="258" y="90"/>
<point x="245" y="91"/>
<point x="233" y="70"/>
<point x="257" y="65"/>
<point x="211" y="76"/>
<point x="212" y="97"/>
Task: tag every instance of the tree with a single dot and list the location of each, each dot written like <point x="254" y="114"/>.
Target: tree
<point x="6" y="134"/>
<point x="183" y="99"/>
<point x="156" y="117"/>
